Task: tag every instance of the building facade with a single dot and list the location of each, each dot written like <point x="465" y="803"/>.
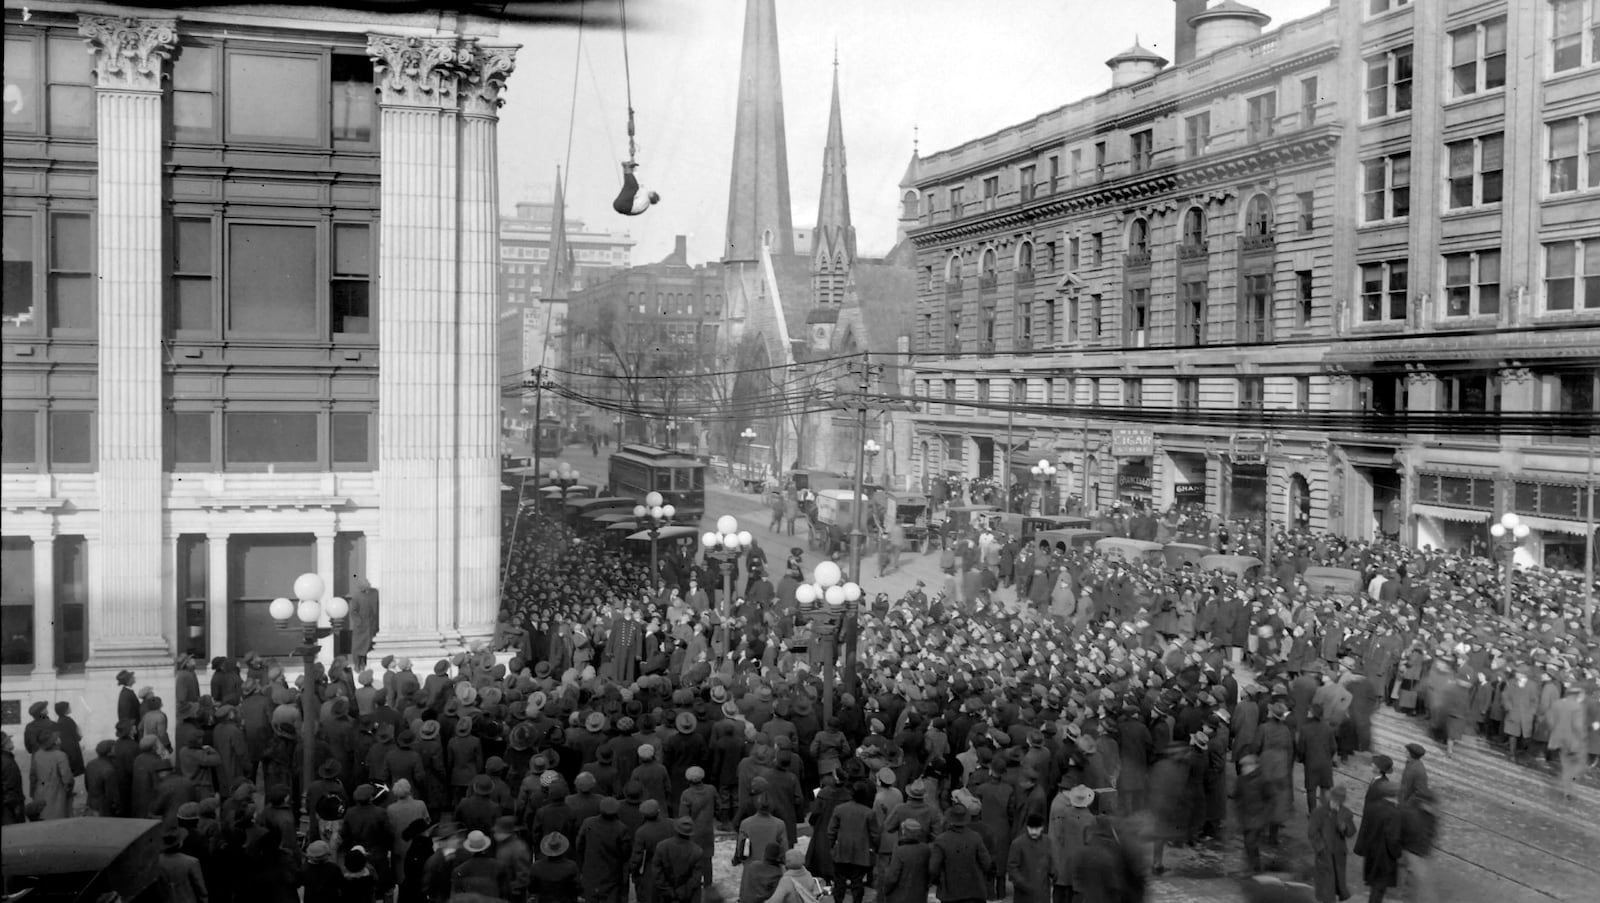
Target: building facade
<point x="1172" y="292"/>
<point x="250" y="276"/>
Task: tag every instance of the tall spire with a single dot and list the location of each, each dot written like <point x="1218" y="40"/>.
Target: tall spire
<point x="758" y="192"/>
<point x="835" y="237"/>
<point x="558" y="270"/>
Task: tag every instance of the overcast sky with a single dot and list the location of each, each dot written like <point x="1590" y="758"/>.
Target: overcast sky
<point x="954" y="69"/>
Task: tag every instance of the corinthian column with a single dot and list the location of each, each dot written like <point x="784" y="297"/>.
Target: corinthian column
<point x="419" y="82"/>
<point x="127" y="604"/>
<point x="477" y="384"/>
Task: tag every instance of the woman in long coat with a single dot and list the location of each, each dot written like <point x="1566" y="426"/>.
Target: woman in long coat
<point x="51" y="780"/>
<point x="1330" y="827"/>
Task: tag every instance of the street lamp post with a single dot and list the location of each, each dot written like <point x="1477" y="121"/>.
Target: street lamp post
<point x="841" y="601"/>
<point x="723" y="546"/>
<point x="565" y="476"/>
<point x="1045" y="473"/>
<point x="871" y="449"/>
<point x="654" y="515"/>
<point x="308" y="589"/>
<point x="617" y="422"/>
<point x="748" y="437"/>
<point x="1508" y="535"/>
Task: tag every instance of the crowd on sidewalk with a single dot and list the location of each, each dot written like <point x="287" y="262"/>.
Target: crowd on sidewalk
<point x="1017" y="730"/>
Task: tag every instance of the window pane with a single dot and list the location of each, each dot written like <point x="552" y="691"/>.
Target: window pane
<point x="18" y="289"/>
<point x="69" y="62"/>
<point x="1560" y="259"/>
<point x="71" y="437"/>
<point x="272" y="280"/>
<point x="72" y="302"/>
<point x="193" y="112"/>
<point x="193" y="306"/>
<point x="19" y="442"/>
<point x="22" y="88"/>
<point x="192" y="246"/>
<point x="352" y="250"/>
<point x="351" y="307"/>
<point x="191" y="437"/>
<point x="71" y="108"/>
<point x="1460" y="159"/>
<point x="354" y="102"/>
<point x="274" y="98"/>
<point x="195" y="69"/>
<point x="271" y="438"/>
<point x="72" y="243"/>
<point x="1488" y="266"/>
<point x="350" y="438"/>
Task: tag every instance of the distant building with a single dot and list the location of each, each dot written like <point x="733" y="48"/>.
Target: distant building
<point x="537" y="280"/>
<point x="1376" y="213"/>
<point x="225" y="359"/>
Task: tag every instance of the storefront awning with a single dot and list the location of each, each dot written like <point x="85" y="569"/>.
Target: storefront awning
<point x="1551" y="524"/>
<point x="1460" y="515"/>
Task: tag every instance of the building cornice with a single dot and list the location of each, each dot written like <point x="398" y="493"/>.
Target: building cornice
<point x="1128" y="191"/>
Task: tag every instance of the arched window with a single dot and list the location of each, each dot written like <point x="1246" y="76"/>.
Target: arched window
<point x="1299" y="502"/>
<point x="990" y="269"/>
<point x="1194" y="228"/>
<point x="1258" y="217"/>
<point x="1139" y="237"/>
<point x="1025" y="256"/>
<point x="766" y="238"/>
<point x="909" y="202"/>
<point x="952" y="269"/>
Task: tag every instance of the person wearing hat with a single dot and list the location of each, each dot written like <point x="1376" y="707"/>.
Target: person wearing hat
<point x="1253" y="804"/>
<point x="1570" y="735"/>
<point x="958" y="863"/>
<point x="678" y="864"/>
<point x="1382" y="766"/>
<point x="101" y="783"/>
<point x="1316" y="749"/>
<point x="797" y="885"/>
<point x="368" y="826"/>
<point x="479" y="872"/>
<point x="602" y="851"/>
<point x="127" y="699"/>
<point x="905" y="876"/>
<point x="1414" y="777"/>
<point x="652" y="775"/>
<point x="40" y="713"/>
<point x="853" y="836"/>
<point x="327" y="784"/>
<point x="1028" y="863"/>
<point x="1331" y="825"/>
<point x="464" y="759"/>
<point x="71" y="736"/>
<point x="181" y="878"/>
<point x="50" y="779"/>
<point x="1069" y="823"/>
<point x="652" y="831"/>
<point x="322" y="878"/>
<point x="1277" y="754"/>
<point x="1378" y="844"/>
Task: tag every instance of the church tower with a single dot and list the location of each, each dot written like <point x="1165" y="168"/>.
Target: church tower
<point x="758" y="193"/>
<point x="834" y="241"/>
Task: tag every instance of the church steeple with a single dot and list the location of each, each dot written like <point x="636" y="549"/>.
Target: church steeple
<point x="758" y="193"/>
<point x="835" y="238"/>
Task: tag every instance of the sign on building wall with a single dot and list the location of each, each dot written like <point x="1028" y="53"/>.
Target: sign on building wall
<point x="1132" y="443"/>
<point x="1248" y="448"/>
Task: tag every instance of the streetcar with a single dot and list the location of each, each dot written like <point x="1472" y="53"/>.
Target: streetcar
<point x="551" y="437"/>
<point x="638" y="470"/>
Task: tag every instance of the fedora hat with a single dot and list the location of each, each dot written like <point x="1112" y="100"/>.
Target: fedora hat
<point x="595" y="723"/>
<point x="464" y="727"/>
<point x="482" y="785"/>
<point x="429" y="730"/>
<point x="476" y="842"/>
<point x="329" y="769"/>
<point x="686" y="722"/>
<point x="1080" y="796"/>
<point x="554" y="844"/>
<point x="915" y="790"/>
<point x="684" y="826"/>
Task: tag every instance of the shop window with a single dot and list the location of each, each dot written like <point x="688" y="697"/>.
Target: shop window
<point x="274" y="98"/>
<point x="20" y="308"/>
<point x="72" y="283"/>
<point x="194" y="94"/>
<point x="351" y="440"/>
<point x="193" y="285"/>
<point x="350" y="293"/>
<point x="252" y="438"/>
<point x="71" y="439"/>
<point x="20" y="440"/>
<point x="267" y="297"/>
<point x="16" y="601"/>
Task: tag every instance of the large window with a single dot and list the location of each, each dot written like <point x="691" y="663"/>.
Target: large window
<point x="1573" y="157"/>
<point x="350" y="292"/>
<point x="22" y="105"/>
<point x="70" y="292"/>
<point x="1258" y="218"/>
<point x="20" y="294"/>
<point x="16" y="599"/>
<point x="1192" y="293"/>
<point x="49" y="86"/>
<point x="1472" y="284"/>
<point x="274" y="98"/>
<point x="1574" y="34"/>
<point x="1141" y="148"/>
<point x="1476" y="171"/>
<point x="193" y="286"/>
<point x="194" y="93"/>
<point x="1196" y="134"/>
<point x="1389" y="83"/>
<point x="355" y="105"/>
<point x="1251" y="392"/>
<point x="1255" y="308"/>
<point x="1261" y="113"/>
<point x="61" y="438"/>
<point x="1386" y="188"/>
<point x="1478" y="57"/>
<point x="1470" y="393"/>
<point x="1572" y="275"/>
<point x="272" y="280"/>
<point x="1139" y="242"/>
<point x="1384" y="290"/>
<point x="1194" y="232"/>
<point x="1576" y="393"/>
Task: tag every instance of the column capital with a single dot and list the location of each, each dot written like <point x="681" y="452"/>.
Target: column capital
<point x="485" y="79"/>
<point x="37" y="538"/>
<point x="129" y="53"/>
<point x="420" y="72"/>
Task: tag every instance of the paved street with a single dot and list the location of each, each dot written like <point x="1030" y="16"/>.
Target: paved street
<point x="1505" y="835"/>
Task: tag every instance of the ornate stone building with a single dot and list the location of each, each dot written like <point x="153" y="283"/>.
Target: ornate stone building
<point x="249" y="332"/>
<point x="1162" y="287"/>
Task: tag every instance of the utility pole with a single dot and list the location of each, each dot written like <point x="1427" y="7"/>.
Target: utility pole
<point x="1266" y="502"/>
<point x="536" y="383"/>
<point x="865" y="372"/>
<point x="1588" y="545"/>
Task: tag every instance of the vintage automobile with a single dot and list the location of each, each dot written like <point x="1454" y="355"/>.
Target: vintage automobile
<point x="83" y="859"/>
<point x="910" y="520"/>
<point x="835" y="518"/>
<point x="1181" y="554"/>
<point x="1245" y="567"/>
<point x="1132" y="551"/>
<point x="1068" y="539"/>
<point x="1023" y="526"/>
<point x="1339" y="580"/>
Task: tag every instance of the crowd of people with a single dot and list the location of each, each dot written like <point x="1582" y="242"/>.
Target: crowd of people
<point x="1045" y="724"/>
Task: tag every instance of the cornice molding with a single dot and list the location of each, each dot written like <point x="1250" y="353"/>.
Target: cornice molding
<point x="129" y="53"/>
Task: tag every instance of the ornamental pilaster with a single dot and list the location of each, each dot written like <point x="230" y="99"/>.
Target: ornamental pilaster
<point x="129" y="54"/>
<point x="420" y="72"/>
<point x="485" y="80"/>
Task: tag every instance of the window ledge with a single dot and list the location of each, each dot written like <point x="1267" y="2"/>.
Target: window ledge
<point x="1485" y="94"/>
<point x="1575" y="72"/>
<point x="1472" y="210"/>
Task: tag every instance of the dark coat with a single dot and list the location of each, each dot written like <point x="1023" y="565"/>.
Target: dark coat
<point x="1029" y="868"/>
<point x="676" y="870"/>
<point x="603" y="849"/>
<point x="1378" y="844"/>
<point x="641" y="865"/>
<point x="852" y="834"/>
<point x="1315" y="748"/>
<point x="959" y="865"/>
<point x="555" y="881"/>
<point x="906" y="878"/>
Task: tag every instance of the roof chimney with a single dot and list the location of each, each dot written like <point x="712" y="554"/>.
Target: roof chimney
<point x="1134" y="65"/>
<point x="680" y="249"/>
<point x="1183" y="40"/>
<point x="1224" y="25"/>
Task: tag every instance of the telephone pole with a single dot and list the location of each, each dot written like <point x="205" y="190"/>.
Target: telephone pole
<point x="865" y="372"/>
